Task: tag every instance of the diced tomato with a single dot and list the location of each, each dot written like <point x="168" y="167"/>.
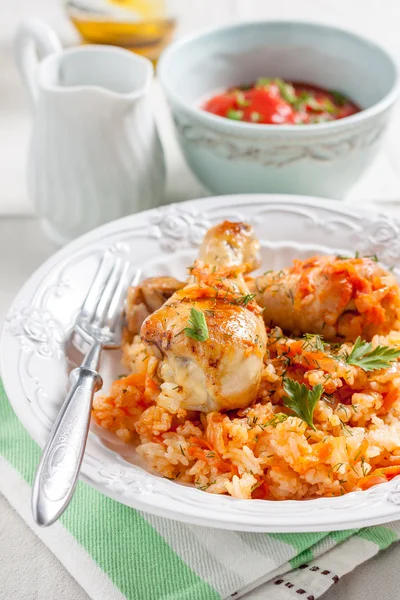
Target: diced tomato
<point x="275" y="102"/>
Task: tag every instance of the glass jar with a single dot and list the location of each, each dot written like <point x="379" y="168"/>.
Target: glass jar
<point x="144" y="26"/>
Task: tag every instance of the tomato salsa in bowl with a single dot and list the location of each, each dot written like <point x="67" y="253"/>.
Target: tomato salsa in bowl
<point x="273" y="101"/>
<point x="312" y="127"/>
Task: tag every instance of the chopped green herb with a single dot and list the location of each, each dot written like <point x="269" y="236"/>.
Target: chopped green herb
<point x="245" y="87"/>
<point x="328" y="106"/>
<point x="241" y="100"/>
<point x="364" y="470"/>
<point x="314" y="341"/>
<point x="201" y="486"/>
<point x="197" y="329"/>
<point x="279" y="418"/>
<point x="255" y="116"/>
<point x="302" y="100"/>
<point x="372" y="257"/>
<point x="338" y="97"/>
<point x="329" y="398"/>
<point x="236" y="115"/>
<point x="302" y="400"/>
<point x="337" y="466"/>
<point x="286" y="90"/>
<point x="289" y="294"/>
<point x="345" y="428"/>
<point x="244" y="300"/>
<point x="263" y="82"/>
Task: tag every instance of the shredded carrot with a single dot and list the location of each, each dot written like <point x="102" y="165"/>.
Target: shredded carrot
<point x="366" y="482"/>
<point x="360" y="451"/>
<point x="388" y="472"/>
<point x="200" y="442"/>
<point x="388" y="400"/>
<point x="261" y="491"/>
<point x="380" y="475"/>
<point x="152" y="389"/>
<point x="135" y="380"/>
<point x="198" y="453"/>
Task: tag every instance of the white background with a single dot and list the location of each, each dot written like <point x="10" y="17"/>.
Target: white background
<point x="27" y="568"/>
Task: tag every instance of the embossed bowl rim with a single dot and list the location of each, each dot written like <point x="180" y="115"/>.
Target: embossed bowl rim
<point x="129" y="484"/>
<point x="232" y="126"/>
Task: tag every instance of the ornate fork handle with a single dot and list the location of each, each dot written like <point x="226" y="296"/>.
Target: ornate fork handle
<point x="62" y="456"/>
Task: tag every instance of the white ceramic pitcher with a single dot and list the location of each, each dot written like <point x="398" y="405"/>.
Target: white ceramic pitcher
<point x="95" y="154"/>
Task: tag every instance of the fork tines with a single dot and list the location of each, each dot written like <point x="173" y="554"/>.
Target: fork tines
<point x="102" y="308"/>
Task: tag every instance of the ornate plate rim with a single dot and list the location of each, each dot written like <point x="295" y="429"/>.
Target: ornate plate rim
<point x="133" y="486"/>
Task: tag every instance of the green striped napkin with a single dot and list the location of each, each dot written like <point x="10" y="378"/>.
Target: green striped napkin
<point x="115" y="552"/>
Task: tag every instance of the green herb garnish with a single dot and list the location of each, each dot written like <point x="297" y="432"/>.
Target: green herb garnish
<point x="198" y="329"/>
<point x="255" y="116"/>
<point x="263" y="82"/>
<point x="302" y="99"/>
<point x="302" y="400"/>
<point x="314" y="341"/>
<point x="286" y="90"/>
<point x="244" y="300"/>
<point x="241" y="100"/>
<point x="371" y="359"/>
<point x="372" y="257"/>
<point x="278" y="418"/>
<point x="338" y="97"/>
<point x="236" y="115"/>
<point x="244" y="87"/>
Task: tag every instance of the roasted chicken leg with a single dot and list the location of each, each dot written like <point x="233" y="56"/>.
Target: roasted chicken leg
<point x="145" y="298"/>
<point x="339" y="298"/>
<point x="220" y="367"/>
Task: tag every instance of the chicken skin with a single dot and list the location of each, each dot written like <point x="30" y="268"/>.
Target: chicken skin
<point x="230" y="244"/>
<point x="339" y="298"/>
<point x="218" y="365"/>
<point x="146" y="298"/>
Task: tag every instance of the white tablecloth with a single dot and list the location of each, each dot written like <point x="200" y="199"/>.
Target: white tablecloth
<point x="27" y="569"/>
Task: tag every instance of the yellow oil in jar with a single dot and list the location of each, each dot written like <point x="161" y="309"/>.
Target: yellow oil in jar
<point x="142" y="26"/>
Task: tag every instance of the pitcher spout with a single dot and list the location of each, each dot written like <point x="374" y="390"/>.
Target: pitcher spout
<point x="106" y="70"/>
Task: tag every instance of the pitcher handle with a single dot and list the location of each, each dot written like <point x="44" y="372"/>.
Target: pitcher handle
<point x="34" y="39"/>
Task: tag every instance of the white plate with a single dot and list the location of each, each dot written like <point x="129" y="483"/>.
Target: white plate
<point x="35" y="367"/>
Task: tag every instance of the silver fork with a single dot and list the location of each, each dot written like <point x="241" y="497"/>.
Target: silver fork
<point x="99" y="324"/>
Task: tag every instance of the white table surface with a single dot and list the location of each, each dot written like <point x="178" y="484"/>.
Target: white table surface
<point x="27" y="569"/>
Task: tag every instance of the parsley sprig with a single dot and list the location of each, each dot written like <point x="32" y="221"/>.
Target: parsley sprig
<point x="302" y="400"/>
<point x="197" y="329"/>
<point x="371" y="359"/>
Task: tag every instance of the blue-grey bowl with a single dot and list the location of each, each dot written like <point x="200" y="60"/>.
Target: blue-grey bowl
<point x="324" y="159"/>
